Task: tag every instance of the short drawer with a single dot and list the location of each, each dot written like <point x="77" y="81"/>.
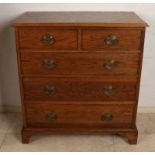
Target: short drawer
<point x="47" y="38"/>
<point x="69" y="115"/>
<point x="69" y="63"/>
<point x="77" y="89"/>
<point x="111" y="39"/>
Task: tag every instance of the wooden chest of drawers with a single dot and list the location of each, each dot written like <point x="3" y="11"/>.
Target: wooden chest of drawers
<point x="79" y="72"/>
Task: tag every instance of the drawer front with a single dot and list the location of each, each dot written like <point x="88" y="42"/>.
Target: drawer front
<point x="79" y="63"/>
<point x="47" y="38"/>
<point x="57" y="115"/>
<point x="111" y="39"/>
<point x="77" y="89"/>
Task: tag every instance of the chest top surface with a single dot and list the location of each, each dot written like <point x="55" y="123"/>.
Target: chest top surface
<point x="105" y="19"/>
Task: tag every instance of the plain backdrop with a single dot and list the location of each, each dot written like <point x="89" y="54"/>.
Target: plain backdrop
<point x="9" y="87"/>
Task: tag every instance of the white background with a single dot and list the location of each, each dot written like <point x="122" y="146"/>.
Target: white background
<point x="9" y="88"/>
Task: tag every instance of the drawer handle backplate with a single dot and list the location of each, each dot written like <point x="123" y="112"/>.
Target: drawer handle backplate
<point x="48" y="39"/>
<point x="107" y="117"/>
<point x="51" y="116"/>
<point x="111" y="40"/>
<point x="49" y="64"/>
<point x="109" y="90"/>
<point x="49" y="89"/>
<point x="110" y="64"/>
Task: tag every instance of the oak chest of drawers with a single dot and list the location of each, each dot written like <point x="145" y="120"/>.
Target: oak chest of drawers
<point x="79" y="72"/>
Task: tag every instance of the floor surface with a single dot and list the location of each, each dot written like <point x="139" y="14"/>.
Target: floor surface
<point x="10" y="138"/>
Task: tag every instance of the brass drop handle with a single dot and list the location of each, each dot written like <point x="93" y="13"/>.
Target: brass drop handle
<point x="109" y="90"/>
<point x="49" y="64"/>
<point x="110" y="64"/>
<point x="49" y="89"/>
<point x="107" y="117"/>
<point x="51" y="116"/>
<point x="48" y="39"/>
<point x="111" y="40"/>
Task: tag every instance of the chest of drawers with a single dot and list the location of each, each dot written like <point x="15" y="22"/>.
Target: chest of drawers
<point x="79" y="72"/>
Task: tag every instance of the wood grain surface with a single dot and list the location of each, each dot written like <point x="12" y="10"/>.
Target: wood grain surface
<point x="106" y="19"/>
<point x="79" y="115"/>
<point x="30" y="38"/>
<point x="77" y="89"/>
<point x="78" y="63"/>
<point x="95" y="39"/>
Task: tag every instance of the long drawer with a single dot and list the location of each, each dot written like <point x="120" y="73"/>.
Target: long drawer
<point x="69" y="115"/>
<point x="77" y="89"/>
<point x="70" y="63"/>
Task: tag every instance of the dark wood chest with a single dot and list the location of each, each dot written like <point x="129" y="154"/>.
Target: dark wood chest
<point x="79" y="72"/>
